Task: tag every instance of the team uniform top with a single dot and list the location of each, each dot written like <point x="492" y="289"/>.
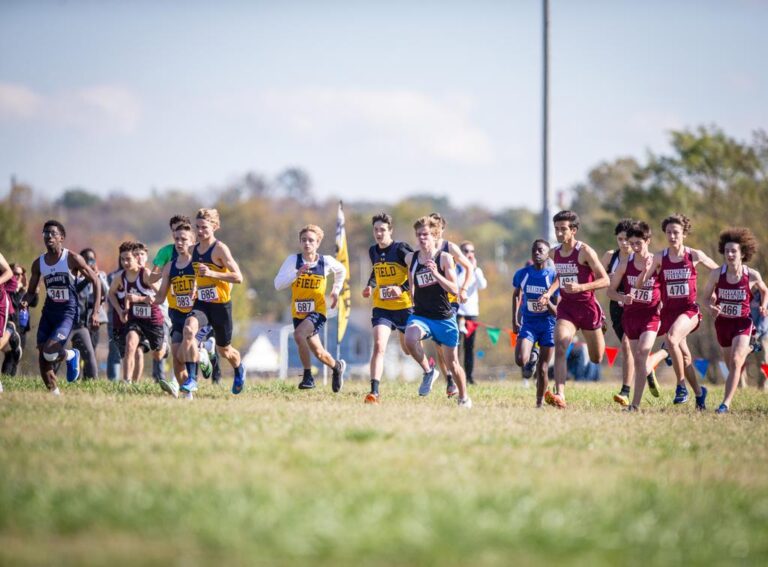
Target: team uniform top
<point x="533" y="283"/>
<point x="733" y="298"/>
<point x="570" y="271"/>
<point x="181" y="286"/>
<point x="210" y="290"/>
<point x="645" y="298"/>
<point x="308" y="289"/>
<point x="142" y="312"/>
<point x="429" y="298"/>
<point x="390" y="269"/>
<point x="60" y="290"/>
<point x="678" y="281"/>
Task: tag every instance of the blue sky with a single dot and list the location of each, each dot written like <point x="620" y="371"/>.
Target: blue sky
<point x="376" y="100"/>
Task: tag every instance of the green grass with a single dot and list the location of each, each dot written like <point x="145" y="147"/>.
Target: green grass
<point x="127" y="476"/>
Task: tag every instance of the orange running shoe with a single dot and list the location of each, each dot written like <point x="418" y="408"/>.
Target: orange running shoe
<point x="372" y="398"/>
<point x="554" y="400"/>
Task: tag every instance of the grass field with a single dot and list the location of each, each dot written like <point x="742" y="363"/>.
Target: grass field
<point x="126" y="476"/>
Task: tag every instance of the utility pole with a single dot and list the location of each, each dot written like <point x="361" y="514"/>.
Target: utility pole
<point x="546" y="223"/>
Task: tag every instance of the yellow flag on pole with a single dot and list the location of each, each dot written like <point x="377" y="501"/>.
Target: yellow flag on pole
<point x="342" y="255"/>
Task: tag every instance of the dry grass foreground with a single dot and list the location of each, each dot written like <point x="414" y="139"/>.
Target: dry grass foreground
<point x="127" y="476"/>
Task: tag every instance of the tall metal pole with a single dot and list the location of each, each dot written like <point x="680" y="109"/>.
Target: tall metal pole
<point x="545" y="212"/>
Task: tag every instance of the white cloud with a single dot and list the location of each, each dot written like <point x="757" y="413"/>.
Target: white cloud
<point x="19" y="102"/>
<point x="407" y="119"/>
<point x="96" y="109"/>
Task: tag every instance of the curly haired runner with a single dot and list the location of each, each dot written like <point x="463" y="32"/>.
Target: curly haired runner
<point x="680" y="315"/>
<point x="729" y="291"/>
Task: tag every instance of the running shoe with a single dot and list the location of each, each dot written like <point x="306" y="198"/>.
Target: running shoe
<point x="722" y="409"/>
<point x="452" y="389"/>
<point x="372" y="398"/>
<point x="427" y="381"/>
<point x="73" y="367"/>
<point x="653" y="384"/>
<point x="465" y="403"/>
<point x="530" y="366"/>
<point x="701" y="401"/>
<point x="171" y="387"/>
<point x="307" y="383"/>
<point x="187" y="396"/>
<point x="667" y="360"/>
<point x="337" y="377"/>
<point x="681" y="394"/>
<point x="204" y="363"/>
<point x="632" y="409"/>
<point x="555" y="400"/>
<point x="621" y="399"/>
<point x="239" y="382"/>
<point x="189" y="386"/>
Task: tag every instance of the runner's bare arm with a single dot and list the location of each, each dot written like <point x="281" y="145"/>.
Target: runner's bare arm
<point x="588" y="255"/>
<point x="516" y="294"/>
<point x="648" y="270"/>
<point x="449" y="282"/>
<point x="701" y="257"/>
<point x="757" y="280"/>
<point x="465" y="263"/>
<point x="34" y="282"/>
<point x="613" y="289"/>
<point x="7" y="273"/>
<point x="77" y="262"/>
<point x="223" y="257"/>
<point x="165" y="274"/>
<point x="708" y="293"/>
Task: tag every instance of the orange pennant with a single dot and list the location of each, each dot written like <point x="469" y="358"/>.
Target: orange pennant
<point x="611" y="353"/>
<point x="512" y="338"/>
<point x="764" y="368"/>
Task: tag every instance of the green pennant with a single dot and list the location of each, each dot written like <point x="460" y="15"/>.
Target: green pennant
<point x="493" y="334"/>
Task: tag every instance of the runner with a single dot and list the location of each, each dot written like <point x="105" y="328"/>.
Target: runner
<point x="58" y="267"/>
<point x="641" y="305"/>
<point x="470" y="309"/>
<point x="167" y="252"/>
<point x="432" y="276"/>
<point x="680" y="315"/>
<point x="455" y="298"/>
<point x="731" y="288"/>
<point x="6" y="330"/>
<point x="178" y="288"/>
<point x="306" y="275"/>
<point x="579" y="274"/>
<point x="133" y="299"/>
<point x="533" y="323"/>
<point x="392" y="303"/>
<point x="216" y="270"/>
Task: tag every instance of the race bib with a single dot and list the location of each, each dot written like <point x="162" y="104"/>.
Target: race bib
<point x="641" y="295"/>
<point x="535" y="307"/>
<point x="424" y="279"/>
<point x="569" y="279"/>
<point x="141" y="310"/>
<point x="678" y="289"/>
<point x="58" y="294"/>
<point x="387" y="292"/>
<point x="208" y="294"/>
<point x="305" y="307"/>
<point x="184" y="301"/>
<point x="730" y="309"/>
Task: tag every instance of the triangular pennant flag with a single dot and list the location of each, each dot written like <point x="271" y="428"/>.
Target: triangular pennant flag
<point x="701" y="364"/>
<point x="568" y="351"/>
<point x="764" y="368"/>
<point x="610" y="353"/>
<point x="493" y="334"/>
<point x="723" y="369"/>
<point x="471" y="326"/>
<point x="512" y="338"/>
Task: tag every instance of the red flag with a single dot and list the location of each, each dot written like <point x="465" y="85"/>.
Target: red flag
<point x="471" y="326"/>
<point x="512" y="338"/>
<point x="611" y="353"/>
<point x="764" y="368"/>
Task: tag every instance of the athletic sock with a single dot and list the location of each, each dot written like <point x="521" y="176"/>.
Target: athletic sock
<point x="191" y="370"/>
<point x="70" y="354"/>
<point x="337" y="366"/>
<point x="307" y="373"/>
<point x="375" y="387"/>
<point x="625" y="390"/>
<point x="449" y="378"/>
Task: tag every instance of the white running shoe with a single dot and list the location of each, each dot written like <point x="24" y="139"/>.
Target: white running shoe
<point x="465" y="403"/>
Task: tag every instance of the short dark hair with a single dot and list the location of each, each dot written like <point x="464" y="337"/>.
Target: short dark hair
<point x="56" y="224"/>
<point x="570" y="216"/>
<point x="677" y="218"/>
<point x="184" y="226"/>
<point x="140" y="247"/>
<point x="623" y="226"/>
<point x="176" y="219"/>
<point x="382" y="217"/>
<point x="540" y="241"/>
<point x="639" y="229"/>
<point x="126" y="246"/>
<point x="741" y="236"/>
<point x="85" y="251"/>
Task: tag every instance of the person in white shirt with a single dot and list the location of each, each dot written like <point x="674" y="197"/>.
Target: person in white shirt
<point x="470" y="310"/>
<point x="305" y="273"/>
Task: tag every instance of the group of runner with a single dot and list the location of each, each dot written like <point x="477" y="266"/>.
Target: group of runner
<point x="652" y="294"/>
<point x="416" y="292"/>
